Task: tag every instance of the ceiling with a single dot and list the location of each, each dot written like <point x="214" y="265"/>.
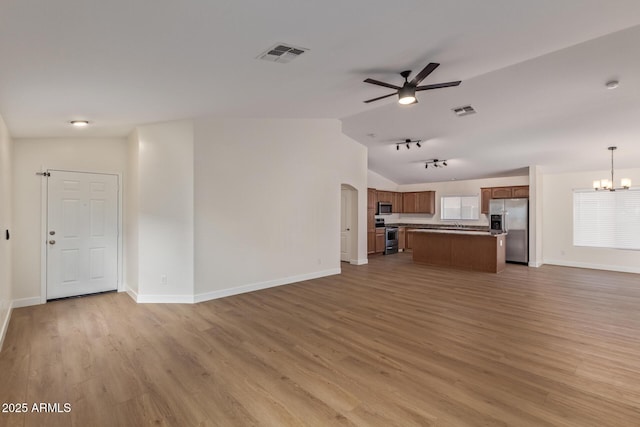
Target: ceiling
<point x="534" y="71"/>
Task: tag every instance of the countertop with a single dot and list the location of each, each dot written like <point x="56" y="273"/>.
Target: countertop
<point x="456" y="231"/>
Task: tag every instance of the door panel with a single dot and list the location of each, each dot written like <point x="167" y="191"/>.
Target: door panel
<point x="345" y="225"/>
<point x="82" y="233"/>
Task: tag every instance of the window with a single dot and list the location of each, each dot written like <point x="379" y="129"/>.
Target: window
<point x="459" y="207"/>
<point x="606" y="219"/>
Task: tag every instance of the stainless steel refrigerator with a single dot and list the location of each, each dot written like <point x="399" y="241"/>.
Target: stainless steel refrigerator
<point x="516" y="213"/>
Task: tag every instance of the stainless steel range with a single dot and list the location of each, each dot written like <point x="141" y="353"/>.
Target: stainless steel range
<point x="391" y="240"/>
<point x="390" y="237"/>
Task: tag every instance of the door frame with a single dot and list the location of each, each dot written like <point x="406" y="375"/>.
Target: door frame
<point x="44" y="205"/>
<point x="354" y="232"/>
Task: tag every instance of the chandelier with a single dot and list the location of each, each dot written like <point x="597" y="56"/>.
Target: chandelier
<point x="605" y="184"/>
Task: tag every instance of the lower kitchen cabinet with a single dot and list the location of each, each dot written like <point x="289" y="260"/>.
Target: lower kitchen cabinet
<point x="371" y="242"/>
<point x="402" y="233"/>
<point x="380" y="240"/>
<point x="409" y="239"/>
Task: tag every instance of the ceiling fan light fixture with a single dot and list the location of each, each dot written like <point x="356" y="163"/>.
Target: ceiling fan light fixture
<point x="407" y="95"/>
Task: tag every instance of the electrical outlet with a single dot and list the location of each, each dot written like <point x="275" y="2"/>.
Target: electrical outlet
<point x="163" y="279"/>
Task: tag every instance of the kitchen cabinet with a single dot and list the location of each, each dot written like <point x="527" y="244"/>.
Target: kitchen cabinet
<point x="385" y="196"/>
<point x="485" y="197"/>
<point x="419" y="202"/>
<point x="371" y="242"/>
<point x="488" y="193"/>
<point x="501" y="192"/>
<point x="371" y="230"/>
<point x="396" y="201"/>
<point x="371" y="198"/>
<point x="409" y="239"/>
<point x="402" y="236"/>
<point x="521" y="191"/>
<point x="380" y="240"/>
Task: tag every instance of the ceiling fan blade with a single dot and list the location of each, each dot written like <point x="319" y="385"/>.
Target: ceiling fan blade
<point x="379" y="83"/>
<point x="438" y="85"/>
<point x="424" y="73"/>
<point x="380" y="97"/>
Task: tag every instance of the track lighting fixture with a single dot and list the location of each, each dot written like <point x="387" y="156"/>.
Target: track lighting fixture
<point x="407" y="143"/>
<point x="436" y="163"/>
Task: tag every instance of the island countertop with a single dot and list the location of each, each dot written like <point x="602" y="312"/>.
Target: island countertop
<point x="457" y="231"/>
<point x="472" y="250"/>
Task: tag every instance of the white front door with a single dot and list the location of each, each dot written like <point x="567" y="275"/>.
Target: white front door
<point x="345" y="225"/>
<point x="82" y="233"/>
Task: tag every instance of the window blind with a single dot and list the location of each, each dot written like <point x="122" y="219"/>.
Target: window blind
<point x="607" y="219"/>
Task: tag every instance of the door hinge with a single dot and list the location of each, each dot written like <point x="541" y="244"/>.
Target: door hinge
<point x="43" y="174"/>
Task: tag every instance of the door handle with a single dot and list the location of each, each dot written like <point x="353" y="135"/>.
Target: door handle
<point x="52" y="242"/>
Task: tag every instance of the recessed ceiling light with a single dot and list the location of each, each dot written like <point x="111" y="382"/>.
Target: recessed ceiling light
<point x="612" y="84"/>
<point x="79" y="123"/>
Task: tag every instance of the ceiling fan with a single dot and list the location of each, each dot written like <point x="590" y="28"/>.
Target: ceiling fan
<point x="407" y="93"/>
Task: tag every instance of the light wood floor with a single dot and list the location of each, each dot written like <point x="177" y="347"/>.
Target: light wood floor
<point x="388" y="344"/>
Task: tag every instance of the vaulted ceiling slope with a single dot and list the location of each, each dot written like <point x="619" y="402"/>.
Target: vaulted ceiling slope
<point x="534" y="70"/>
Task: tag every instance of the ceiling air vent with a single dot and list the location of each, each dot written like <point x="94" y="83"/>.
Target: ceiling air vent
<point x="282" y="53"/>
<point x="464" y="111"/>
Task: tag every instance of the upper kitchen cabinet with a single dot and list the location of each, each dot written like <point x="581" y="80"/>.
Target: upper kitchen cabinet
<point x="423" y="202"/>
<point x="521" y="191"/>
<point x="371" y="198"/>
<point x="385" y="196"/>
<point x="396" y="203"/>
<point x="501" y="193"/>
<point x="485" y="197"/>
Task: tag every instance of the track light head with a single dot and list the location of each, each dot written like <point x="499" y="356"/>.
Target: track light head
<point x="426" y="165"/>
<point x="444" y="163"/>
<point x="408" y="146"/>
<point x="397" y="147"/>
<point x="418" y="144"/>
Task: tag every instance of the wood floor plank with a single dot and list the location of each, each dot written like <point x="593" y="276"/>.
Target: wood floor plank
<point x="391" y="343"/>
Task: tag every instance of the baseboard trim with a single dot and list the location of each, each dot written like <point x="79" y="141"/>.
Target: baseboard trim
<point x="207" y="296"/>
<point x="133" y="294"/>
<point x="5" y="324"/>
<point x="619" y="268"/>
<point x="359" y="261"/>
<point x="26" y="302"/>
<point x="535" y="264"/>
<point x="164" y="299"/>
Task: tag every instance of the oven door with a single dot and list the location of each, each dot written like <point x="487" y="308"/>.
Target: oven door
<point x="391" y="235"/>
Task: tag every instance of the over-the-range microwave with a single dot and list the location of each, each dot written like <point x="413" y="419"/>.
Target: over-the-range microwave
<point x="384" y="208"/>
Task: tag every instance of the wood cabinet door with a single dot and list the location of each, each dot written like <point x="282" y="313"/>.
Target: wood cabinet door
<point x="371" y="198"/>
<point x="409" y="202"/>
<point x="402" y="236"/>
<point x="371" y="220"/>
<point x="501" y="192"/>
<point x="426" y="202"/>
<point x="396" y="202"/>
<point x="379" y="242"/>
<point x="384" y="196"/>
<point x="521" y="191"/>
<point x="371" y="242"/>
<point x="409" y="239"/>
<point x="485" y="197"/>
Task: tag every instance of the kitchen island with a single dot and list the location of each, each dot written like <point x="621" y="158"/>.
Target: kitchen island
<point x="471" y="250"/>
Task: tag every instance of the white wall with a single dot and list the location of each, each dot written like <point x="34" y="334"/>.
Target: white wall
<point x="454" y="188"/>
<point x="105" y="155"/>
<point x="5" y="224"/>
<point x="165" y="189"/>
<point x="267" y="201"/>
<point x="379" y="182"/>
<point x="558" y="224"/>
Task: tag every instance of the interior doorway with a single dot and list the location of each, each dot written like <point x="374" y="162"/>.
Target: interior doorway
<point x="348" y="223"/>
<point x="82" y="233"/>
